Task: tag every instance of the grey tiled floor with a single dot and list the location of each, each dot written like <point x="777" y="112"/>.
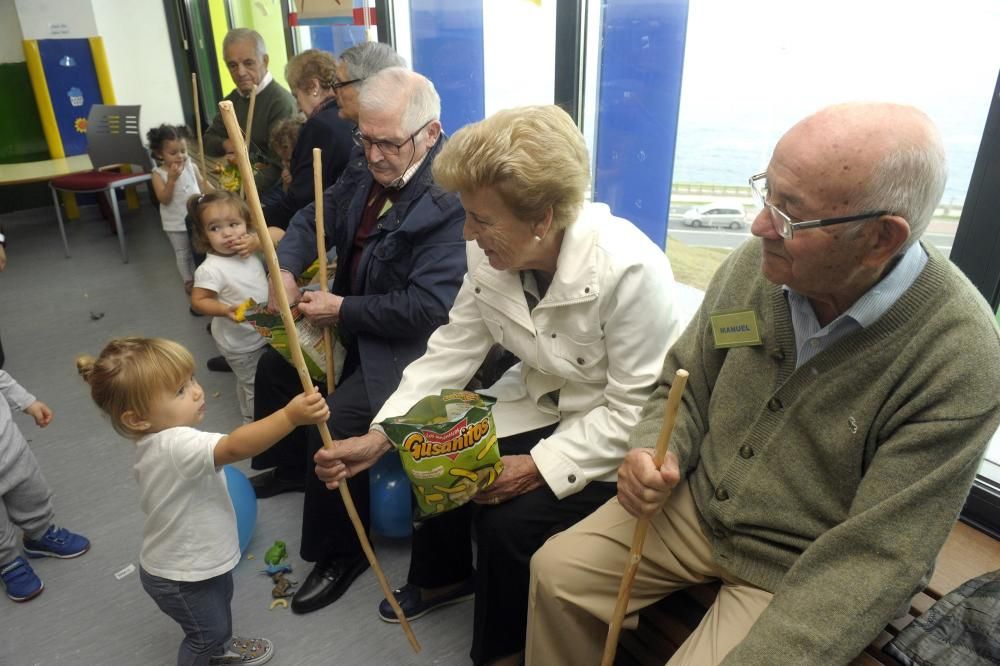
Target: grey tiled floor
<point x="52" y="309"/>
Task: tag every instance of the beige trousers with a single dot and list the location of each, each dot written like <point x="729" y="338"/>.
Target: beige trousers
<point x="576" y="574"/>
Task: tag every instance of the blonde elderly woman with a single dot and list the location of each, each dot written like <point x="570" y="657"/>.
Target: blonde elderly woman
<point x="311" y="75"/>
<point x="586" y="302"/>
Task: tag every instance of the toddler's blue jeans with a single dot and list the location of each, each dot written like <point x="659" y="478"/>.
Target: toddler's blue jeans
<point x="202" y="608"/>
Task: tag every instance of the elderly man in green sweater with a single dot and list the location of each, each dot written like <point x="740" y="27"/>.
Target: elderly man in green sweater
<point x="843" y="388"/>
<point x="246" y="58"/>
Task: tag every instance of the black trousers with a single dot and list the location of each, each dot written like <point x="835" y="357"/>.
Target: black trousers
<point x="507" y="535"/>
<point x="327" y="532"/>
<point x="275" y="383"/>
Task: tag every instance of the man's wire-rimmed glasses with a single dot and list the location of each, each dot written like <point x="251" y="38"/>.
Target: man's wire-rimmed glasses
<point x="385" y="147"/>
<point x="784" y="223"/>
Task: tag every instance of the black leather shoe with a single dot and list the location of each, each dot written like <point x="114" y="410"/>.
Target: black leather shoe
<point x="268" y="484"/>
<point x="218" y="364"/>
<point x="327" y="583"/>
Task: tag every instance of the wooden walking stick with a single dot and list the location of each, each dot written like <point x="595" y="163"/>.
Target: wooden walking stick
<point x="256" y="214"/>
<point x="249" y="139"/>
<point x="249" y="125"/>
<point x="197" y="124"/>
<point x="321" y="254"/>
<point x="642" y="524"/>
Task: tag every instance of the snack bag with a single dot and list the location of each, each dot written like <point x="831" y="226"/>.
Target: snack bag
<point x="229" y="178"/>
<point x="448" y="445"/>
<point x="272" y="329"/>
<point x="310" y="275"/>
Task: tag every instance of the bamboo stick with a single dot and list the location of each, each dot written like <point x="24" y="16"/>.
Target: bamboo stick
<point x="257" y="216"/>
<point x="642" y="524"/>
<point x="249" y="124"/>
<point x="331" y="367"/>
<point x="249" y="139"/>
<point x="197" y="124"/>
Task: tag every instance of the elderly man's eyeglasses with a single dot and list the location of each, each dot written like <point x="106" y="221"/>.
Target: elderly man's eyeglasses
<point x="783" y="222"/>
<point x="337" y="85"/>
<point x="385" y="147"/>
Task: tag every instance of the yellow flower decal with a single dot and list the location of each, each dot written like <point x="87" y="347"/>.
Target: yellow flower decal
<point x="81" y="125"/>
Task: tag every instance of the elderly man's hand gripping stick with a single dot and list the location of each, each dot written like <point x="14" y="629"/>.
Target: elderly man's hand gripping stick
<point x="645" y="489"/>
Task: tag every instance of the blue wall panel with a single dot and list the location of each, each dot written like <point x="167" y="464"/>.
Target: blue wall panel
<point x="72" y="81"/>
<point x="641" y="62"/>
<point x="448" y="49"/>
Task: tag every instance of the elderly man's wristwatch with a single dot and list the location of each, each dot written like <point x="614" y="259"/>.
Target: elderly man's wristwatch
<point x="3" y="240"/>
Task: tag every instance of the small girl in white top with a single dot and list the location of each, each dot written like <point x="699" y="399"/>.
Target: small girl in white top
<point x="190" y="543"/>
<point x="174" y="181"/>
<point x="231" y="273"/>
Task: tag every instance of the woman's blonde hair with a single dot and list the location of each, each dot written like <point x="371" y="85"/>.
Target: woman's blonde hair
<point x="131" y="373"/>
<point x="311" y="64"/>
<point x="197" y="203"/>
<point x="534" y="157"/>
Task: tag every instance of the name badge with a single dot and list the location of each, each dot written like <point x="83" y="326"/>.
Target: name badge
<point x="735" y="328"/>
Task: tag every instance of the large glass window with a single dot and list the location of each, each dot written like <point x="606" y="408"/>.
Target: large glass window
<point x="749" y="71"/>
<point x="752" y="70"/>
<point x="481" y="56"/>
<point x="750" y="74"/>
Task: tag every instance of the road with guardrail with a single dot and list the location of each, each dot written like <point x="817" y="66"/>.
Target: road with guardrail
<point x="684" y="196"/>
<point x="728" y="238"/>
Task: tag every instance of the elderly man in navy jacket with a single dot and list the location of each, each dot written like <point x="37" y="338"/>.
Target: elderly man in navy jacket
<point x="400" y="262"/>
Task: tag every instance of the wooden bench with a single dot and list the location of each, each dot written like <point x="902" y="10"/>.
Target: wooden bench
<point x="665" y="625"/>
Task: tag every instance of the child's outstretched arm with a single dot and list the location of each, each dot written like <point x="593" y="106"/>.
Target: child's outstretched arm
<point x="254" y="438"/>
<point x="206" y="302"/>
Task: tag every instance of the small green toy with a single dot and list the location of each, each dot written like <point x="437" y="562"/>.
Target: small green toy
<point x="276" y="553"/>
<point x="276" y="569"/>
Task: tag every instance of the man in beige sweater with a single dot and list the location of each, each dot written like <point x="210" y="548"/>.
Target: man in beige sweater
<point x="843" y="389"/>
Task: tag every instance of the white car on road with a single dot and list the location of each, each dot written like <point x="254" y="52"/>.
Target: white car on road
<point x="729" y="215"/>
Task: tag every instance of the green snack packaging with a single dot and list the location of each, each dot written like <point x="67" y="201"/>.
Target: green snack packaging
<point x="272" y="329"/>
<point x="448" y="445"/>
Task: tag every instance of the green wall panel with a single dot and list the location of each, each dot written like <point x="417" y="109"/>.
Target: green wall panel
<point x="21" y="137"/>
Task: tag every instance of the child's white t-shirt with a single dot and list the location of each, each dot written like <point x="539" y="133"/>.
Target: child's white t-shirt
<point x="173" y="212"/>
<point x="190" y="530"/>
<point x="234" y="279"/>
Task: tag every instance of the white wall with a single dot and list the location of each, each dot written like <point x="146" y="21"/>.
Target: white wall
<point x="10" y="33"/>
<point x="519" y="53"/>
<point x="139" y="57"/>
<point x="135" y="40"/>
<point x="48" y="19"/>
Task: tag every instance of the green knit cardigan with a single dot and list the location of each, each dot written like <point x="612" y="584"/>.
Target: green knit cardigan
<point x="833" y="485"/>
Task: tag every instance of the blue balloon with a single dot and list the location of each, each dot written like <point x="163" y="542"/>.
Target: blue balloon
<point x="391" y="498"/>
<point x="244" y="502"/>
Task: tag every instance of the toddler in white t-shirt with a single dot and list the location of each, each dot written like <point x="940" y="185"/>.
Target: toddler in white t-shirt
<point x="231" y="273"/>
<point x="175" y="180"/>
<point x="189" y="543"/>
